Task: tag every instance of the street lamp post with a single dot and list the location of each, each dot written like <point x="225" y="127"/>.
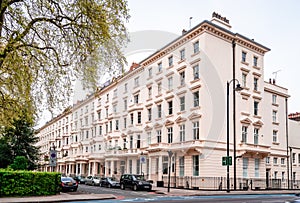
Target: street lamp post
<point x="52" y="157"/>
<point x="237" y="88"/>
<point x="170" y="153"/>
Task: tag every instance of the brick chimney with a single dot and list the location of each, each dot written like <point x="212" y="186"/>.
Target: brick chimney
<point x="134" y="66"/>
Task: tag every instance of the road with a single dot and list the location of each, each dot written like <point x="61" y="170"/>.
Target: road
<point x="143" y="196"/>
<point x="120" y="194"/>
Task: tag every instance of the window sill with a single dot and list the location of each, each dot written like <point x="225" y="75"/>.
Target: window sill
<point x="159" y="95"/>
<point x="195" y="80"/>
<point x="257" y="116"/>
<point x="245" y="63"/>
<point x="181" y="86"/>
<point x="195" y="54"/>
<point x="170" y="67"/>
<point x="182" y="60"/>
<point x="275" y="143"/>
<point x="181" y="112"/>
<point x="158" y="72"/>
<point x="195" y="108"/>
<point x="169" y="116"/>
<point x="256" y="67"/>
<point x="274" y="104"/>
<point x="275" y="123"/>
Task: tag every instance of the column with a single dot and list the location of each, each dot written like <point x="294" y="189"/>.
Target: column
<point x="150" y="168"/>
<point x="159" y="168"/>
<point x="89" y="172"/>
<point x="80" y="169"/>
<point x="106" y="168"/>
<point x="94" y="168"/>
<point x="112" y="168"/>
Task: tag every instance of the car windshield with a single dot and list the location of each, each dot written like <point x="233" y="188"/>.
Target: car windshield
<point x="66" y="179"/>
<point x="112" y="179"/>
<point x="96" y="177"/>
<point x="138" y="177"/>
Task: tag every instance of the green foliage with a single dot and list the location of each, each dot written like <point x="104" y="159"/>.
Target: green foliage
<point x="19" y="140"/>
<point x="20" y="163"/>
<point x="5" y="154"/>
<point x="45" y="45"/>
<point x="28" y="183"/>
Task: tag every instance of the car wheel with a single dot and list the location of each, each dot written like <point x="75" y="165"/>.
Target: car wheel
<point x="122" y="187"/>
<point x="75" y="190"/>
<point x="109" y="185"/>
<point x="93" y="184"/>
<point x="100" y="184"/>
<point x="135" y="187"/>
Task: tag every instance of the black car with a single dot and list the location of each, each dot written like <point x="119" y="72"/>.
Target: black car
<point x="109" y="182"/>
<point x="68" y="184"/>
<point x="79" y="179"/>
<point x="135" y="182"/>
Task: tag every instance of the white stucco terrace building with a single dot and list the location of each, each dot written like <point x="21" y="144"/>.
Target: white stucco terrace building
<point x="175" y="100"/>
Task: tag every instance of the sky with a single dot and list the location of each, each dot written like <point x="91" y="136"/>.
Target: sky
<point x="272" y="23"/>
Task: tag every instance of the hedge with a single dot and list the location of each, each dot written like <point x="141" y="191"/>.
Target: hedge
<point x="28" y="183"/>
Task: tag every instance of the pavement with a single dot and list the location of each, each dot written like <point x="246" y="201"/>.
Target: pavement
<point x="67" y="197"/>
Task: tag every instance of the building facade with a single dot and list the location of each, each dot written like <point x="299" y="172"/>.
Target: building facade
<point x="168" y="114"/>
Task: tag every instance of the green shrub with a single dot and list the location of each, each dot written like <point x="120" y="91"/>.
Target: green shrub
<point x="28" y="183"/>
<point x="20" y="163"/>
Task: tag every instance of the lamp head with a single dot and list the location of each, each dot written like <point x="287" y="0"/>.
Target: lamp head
<point x="238" y="88"/>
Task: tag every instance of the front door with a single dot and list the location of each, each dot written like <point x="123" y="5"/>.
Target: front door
<point x="268" y="178"/>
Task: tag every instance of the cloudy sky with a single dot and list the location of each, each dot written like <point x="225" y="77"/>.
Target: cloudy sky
<point x="272" y="23"/>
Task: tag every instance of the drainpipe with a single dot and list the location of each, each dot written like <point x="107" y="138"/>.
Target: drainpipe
<point x="287" y="141"/>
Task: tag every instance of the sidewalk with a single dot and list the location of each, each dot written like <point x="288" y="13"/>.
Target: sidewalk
<point x="65" y="197"/>
<point x="62" y="197"/>
<point x="186" y="192"/>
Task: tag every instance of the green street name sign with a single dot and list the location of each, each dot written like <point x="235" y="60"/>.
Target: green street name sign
<point x="226" y="160"/>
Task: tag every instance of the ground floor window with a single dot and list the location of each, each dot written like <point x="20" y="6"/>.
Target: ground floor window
<point x="165" y="164"/>
<point x="294" y="177"/>
<point x="196" y="165"/>
<point x="256" y="168"/>
<point x="130" y="166"/>
<point x="138" y="166"/>
<point x="245" y="167"/>
<point x="122" y="167"/>
<point x="181" y="166"/>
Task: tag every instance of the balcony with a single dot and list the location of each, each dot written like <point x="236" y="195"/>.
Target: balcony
<point x="253" y="149"/>
<point x="178" y="146"/>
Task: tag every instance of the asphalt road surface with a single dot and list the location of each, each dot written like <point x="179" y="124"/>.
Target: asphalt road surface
<point x="144" y="196"/>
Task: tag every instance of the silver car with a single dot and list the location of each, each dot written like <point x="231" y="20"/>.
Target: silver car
<point x="92" y="180"/>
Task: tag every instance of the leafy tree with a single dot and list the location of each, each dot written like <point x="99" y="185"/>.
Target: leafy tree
<point x="46" y="44"/>
<point x="20" y="163"/>
<point x="21" y="140"/>
<point x="5" y="154"/>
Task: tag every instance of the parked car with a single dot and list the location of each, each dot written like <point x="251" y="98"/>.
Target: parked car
<point x="68" y="184"/>
<point x="92" y="180"/>
<point x="135" y="182"/>
<point x="109" y="182"/>
<point x="79" y="179"/>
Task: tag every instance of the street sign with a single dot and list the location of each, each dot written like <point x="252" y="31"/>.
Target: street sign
<point x="52" y="160"/>
<point x="226" y="160"/>
<point x="229" y="161"/>
<point x="143" y="159"/>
